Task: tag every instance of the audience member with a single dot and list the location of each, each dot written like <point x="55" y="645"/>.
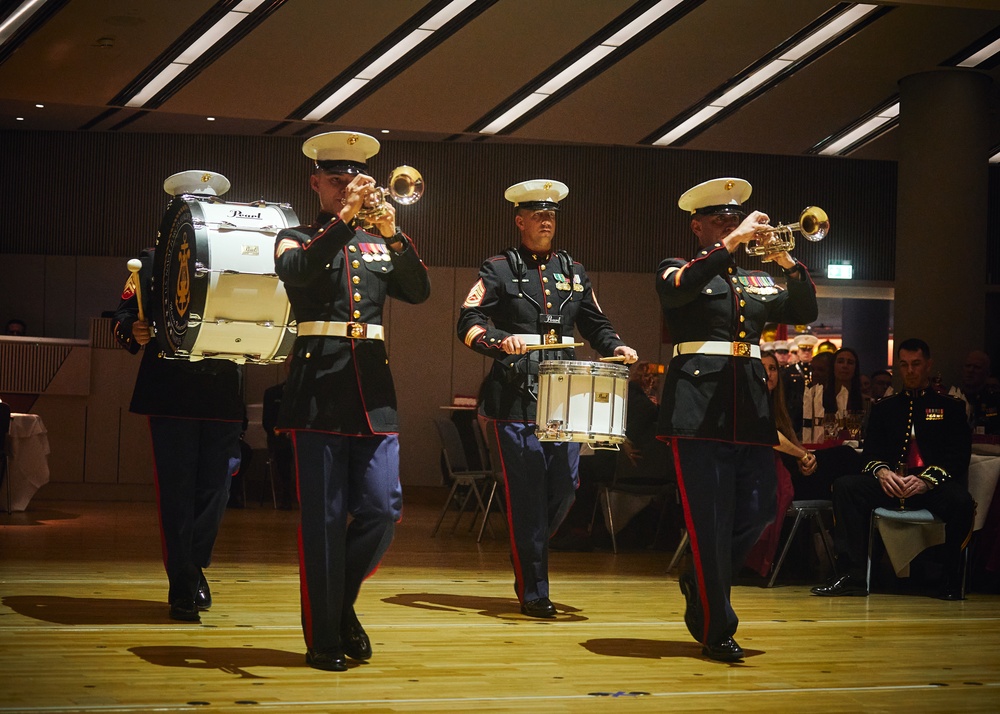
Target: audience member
<point x="781" y="353"/>
<point x="761" y="558"/>
<point x="881" y="384"/>
<point x="916" y="456"/>
<point x="982" y="399"/>
<point x="16" y="328"/>
<point x="836" y="396"/>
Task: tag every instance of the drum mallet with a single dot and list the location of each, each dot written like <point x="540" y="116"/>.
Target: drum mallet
<point x="134" y="266"/>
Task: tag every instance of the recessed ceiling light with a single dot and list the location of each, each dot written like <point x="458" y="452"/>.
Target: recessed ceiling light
<point x="40" y="106"/>
<point x="210" y="118"/>
<point x="20" y="118"/>
<point x="385" y="131"/>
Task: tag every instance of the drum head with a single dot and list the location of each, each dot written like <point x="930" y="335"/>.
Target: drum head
<point x="176" y="291"/>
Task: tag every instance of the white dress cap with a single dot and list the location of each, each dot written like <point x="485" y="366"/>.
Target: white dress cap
<point x="807" y="340"/>
<point x="537" y="194"/>
<point x="721" y="195"/>
<point x="196" y="181"/>
<point x="341" y="151"/>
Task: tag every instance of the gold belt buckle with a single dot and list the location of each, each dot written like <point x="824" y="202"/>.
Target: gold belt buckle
<point x="357" y="330"/>
<point x="741" y="349"/>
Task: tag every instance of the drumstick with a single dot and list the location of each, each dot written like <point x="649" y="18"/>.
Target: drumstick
<point x="616" y="358"/>
<point x="557" y="346"/>
<point x="134" y="267"/>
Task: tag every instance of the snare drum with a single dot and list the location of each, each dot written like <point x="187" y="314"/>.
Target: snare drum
<point x="582" y="401"/>
<point x="215" y="292"/>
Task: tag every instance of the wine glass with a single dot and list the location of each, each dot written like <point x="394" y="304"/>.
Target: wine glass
<point x="853" y="424"/>
<point x="831" y="427"/>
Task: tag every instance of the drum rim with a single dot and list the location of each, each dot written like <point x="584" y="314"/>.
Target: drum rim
<point x="569" y="366"/>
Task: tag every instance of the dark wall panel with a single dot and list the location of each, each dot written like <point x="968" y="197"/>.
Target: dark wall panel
<point x="100" y="194"/>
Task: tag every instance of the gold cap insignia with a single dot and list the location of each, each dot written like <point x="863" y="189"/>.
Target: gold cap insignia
<point x="548" y="185"/>
<point x="205" y="178"/>
<point x="729" y="185"/>
<point x="352" y="139"/>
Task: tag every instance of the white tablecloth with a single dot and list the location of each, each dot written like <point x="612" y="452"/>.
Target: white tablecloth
<point x="905" y="542"/>
<point x="984" y="471"/>
<point x="28" y="467"/>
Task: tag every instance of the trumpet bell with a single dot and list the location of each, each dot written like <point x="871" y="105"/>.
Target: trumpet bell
<point x="406" y="185"/>
<point x="814" y="224"/>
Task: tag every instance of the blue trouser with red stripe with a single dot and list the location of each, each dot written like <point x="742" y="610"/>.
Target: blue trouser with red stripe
<point x="540" y="480"/>
<point x="340" y="475"/>
<point x="195" y="460"/>
<point x="729" y="496"/>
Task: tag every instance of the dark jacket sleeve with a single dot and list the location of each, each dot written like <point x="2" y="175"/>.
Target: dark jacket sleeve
<point x="594" y="325"/>
<point x="410" y="281"/>
<point x="300" y="259"/>
<point x="128" y="309"/>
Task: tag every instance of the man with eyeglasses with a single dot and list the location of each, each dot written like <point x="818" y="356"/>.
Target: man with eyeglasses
<point x="715" y="408"/>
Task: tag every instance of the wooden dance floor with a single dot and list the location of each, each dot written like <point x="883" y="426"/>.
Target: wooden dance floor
<point x="84" y="628"/>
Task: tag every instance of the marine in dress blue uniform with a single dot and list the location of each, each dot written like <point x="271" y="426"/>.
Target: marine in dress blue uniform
<point x="917" y="451"/>
<point x="532" y="295"/>
<point x="196" y="415"/>
<point x="715" y="408"/>
<point x="339" y="402"/>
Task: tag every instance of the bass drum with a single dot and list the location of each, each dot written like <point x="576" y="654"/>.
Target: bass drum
<point x="215" y="293"/>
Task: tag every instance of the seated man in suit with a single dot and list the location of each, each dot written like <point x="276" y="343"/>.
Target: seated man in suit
<point x="916" y="455"/>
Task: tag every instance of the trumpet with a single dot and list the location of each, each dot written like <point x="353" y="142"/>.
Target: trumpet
<point x="813" y="224"/>
<point x="406" y="186"/>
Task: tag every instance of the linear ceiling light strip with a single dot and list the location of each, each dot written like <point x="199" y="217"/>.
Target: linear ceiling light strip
<point x="615" y="41"/>
<point x="23" y="21"/>
<point x="984" y="53"/>
<point x="218" y="30"/>
<point x="435" y="22"/>
<point x="806" y="46"/>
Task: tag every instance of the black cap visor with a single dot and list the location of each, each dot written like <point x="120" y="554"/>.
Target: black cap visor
<point x="538" y="206"/>
<point x="335" y="166"/>
<point x="726" y="209"/>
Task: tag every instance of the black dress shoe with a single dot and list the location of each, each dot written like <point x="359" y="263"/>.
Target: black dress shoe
<point x="184" y="609"/>
<point x="540" y="607"/>
<point x="353" y="637"/>
<point x="203" y="596"/>
<point x="725" y="651"/>
<point x="328" y="661"/>
<point x="949" y="591"/>
<point x="844" y="586"/>
<point x="694" y="616"/>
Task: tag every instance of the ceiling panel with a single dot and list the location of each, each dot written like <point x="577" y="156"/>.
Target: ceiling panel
<point x="90" y="50"/>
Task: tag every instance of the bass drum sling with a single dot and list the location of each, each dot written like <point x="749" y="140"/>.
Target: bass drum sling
<point x="215" y="293"/>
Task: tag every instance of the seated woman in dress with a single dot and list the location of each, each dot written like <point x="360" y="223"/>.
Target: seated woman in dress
<point x="788" y="450"/>
<point x="838" y="398"/>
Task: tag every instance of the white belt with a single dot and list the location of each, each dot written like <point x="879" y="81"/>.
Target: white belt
<point x="354" y="330"/>
<point x="537" y="340"/>
<point x="713" y="347"/>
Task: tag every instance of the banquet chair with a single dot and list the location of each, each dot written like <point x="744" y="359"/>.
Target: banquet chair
<point x="4" y="431"/>
<point x="921" y="529"/>
<point x="487" y="460"/>
<point x="811" y="511"/>
<point x="459" y="473"/>
<point x="657" y="489"/>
